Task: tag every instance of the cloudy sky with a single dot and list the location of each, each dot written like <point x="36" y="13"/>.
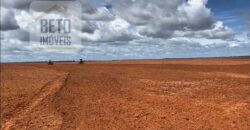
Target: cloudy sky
<point x="135" y="29"/>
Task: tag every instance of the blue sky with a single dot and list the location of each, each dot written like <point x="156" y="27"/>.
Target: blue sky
<point x="232" y="13"/>
<point x="132" y="29"/>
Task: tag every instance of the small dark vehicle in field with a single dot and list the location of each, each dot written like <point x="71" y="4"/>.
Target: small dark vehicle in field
<point x="81" y="61"/>
<point x="50" y="62"/>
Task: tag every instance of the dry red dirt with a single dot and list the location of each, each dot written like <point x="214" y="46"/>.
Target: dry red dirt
<point x="152" y="95"/>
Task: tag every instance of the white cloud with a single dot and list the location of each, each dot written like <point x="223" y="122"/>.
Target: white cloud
<point x="171" y="18"/>
<point x="116" y="30"/>
<point x="100" y="14"/>
<point x="128" y="29"/>
<point x="17" y="4"/>
<point x="8" y="21"/>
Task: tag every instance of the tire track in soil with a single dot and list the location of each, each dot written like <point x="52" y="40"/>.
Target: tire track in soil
<point x="48" y="89"/>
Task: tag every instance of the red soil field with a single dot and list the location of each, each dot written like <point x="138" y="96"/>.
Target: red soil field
<point x="198" y="94"/>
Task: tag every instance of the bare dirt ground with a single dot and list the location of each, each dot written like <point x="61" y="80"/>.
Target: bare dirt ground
<point x="148" y="95"/>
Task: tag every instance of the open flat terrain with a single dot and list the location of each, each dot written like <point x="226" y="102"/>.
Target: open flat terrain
<point x="196" y="94"/>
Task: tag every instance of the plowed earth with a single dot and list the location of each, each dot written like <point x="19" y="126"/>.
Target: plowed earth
<point x="128" y="95"/>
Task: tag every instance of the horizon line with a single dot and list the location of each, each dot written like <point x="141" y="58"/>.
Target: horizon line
<point x="46" y="61"/>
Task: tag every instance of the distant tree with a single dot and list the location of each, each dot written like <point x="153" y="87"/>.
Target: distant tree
<point x="81" y="61"/>
<point x="50" y="62"/>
